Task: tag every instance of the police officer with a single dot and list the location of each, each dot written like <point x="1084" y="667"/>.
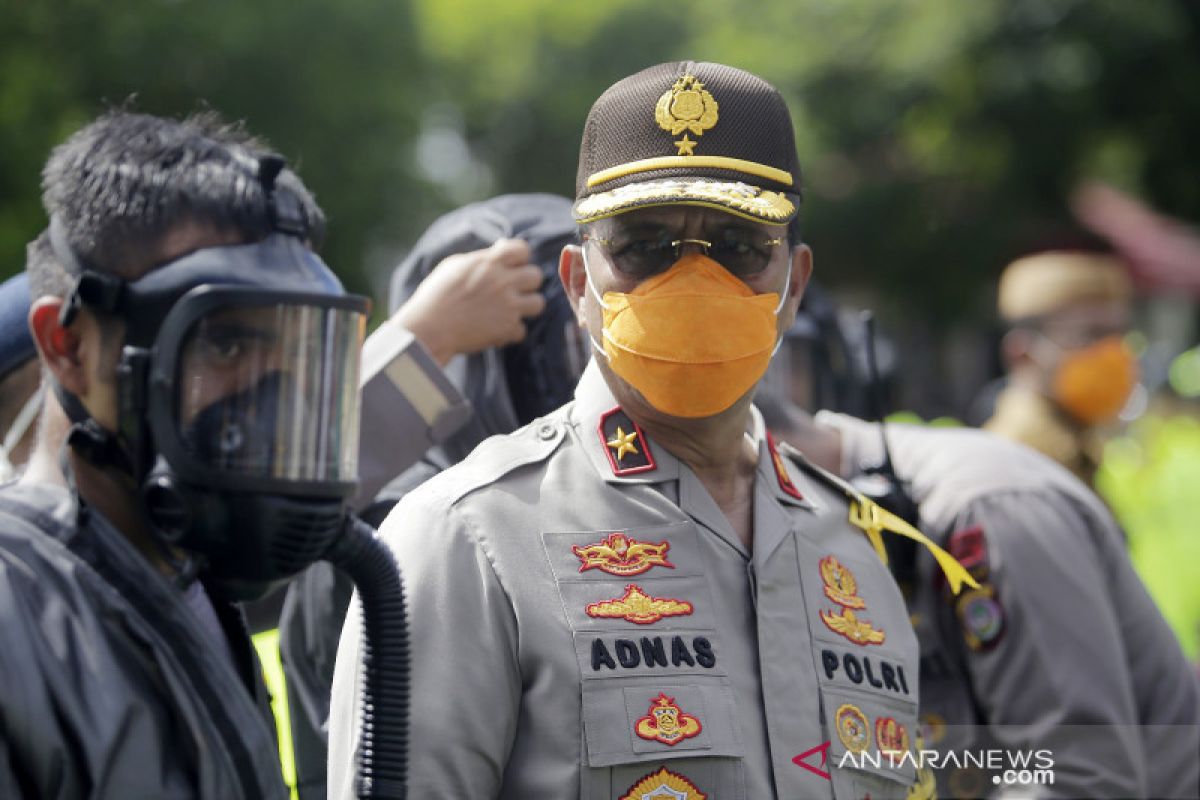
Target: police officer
<point x="503" y="387"/>
<point x="1070" y="371"/>
<point x="207" y="362"/>
<point x="639" y="595"/>
<point x="1059" y="649"/>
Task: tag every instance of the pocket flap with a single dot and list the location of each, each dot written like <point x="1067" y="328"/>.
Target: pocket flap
<point x="628" y="722"/>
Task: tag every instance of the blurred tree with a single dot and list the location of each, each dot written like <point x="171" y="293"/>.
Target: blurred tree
<point x="939" y="138"/>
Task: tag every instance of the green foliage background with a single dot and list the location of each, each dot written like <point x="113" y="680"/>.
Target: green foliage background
<point x="939" y="137"/>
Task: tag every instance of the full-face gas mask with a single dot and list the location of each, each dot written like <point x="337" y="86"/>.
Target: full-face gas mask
<point x="238" y="398"/>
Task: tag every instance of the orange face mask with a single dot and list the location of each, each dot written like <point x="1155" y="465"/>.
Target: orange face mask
<point x="693" y="339"/>
<point x="1094" y="383"/>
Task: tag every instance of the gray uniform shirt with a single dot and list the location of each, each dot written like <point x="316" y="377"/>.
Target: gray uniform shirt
<point x="586" y="624"/>
<point x="1067" y="649"/>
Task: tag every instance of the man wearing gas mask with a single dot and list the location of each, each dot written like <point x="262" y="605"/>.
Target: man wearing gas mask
<point x="505" y="386"/>
<point x="639" y="595"/>
<point x="1059" y="649"/>
<point x="1070" y="371"/>
<point x="208" y="362"/>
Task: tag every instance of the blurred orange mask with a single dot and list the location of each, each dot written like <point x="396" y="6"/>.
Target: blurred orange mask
<point x="1094" y="383"/>
<point x="692" y="339"/>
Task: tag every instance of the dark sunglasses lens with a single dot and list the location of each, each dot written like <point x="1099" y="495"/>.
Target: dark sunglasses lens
<point x="642" y="258"/>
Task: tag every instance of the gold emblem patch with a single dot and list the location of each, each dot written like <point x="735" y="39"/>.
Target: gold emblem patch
<point x="856" y="630"/>
<point x="840" y="584"/>
<point x="891" y="736"/>
<point x="686" y="108"/>
<point x="617" y="554"/>
<point x="667" y="723"/>
<point x="842" y="588"/>
<point x="663" y="785"/>
<point x="623" y="443"/>
<point x="852" y="728"/>
<point x="637" y="606"/>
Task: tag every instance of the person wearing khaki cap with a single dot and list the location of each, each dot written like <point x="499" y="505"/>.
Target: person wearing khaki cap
<point x="639" y="595"/>
<point x="1070" y="370"/>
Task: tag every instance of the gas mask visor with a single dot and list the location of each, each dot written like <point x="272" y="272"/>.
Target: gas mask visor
<point x="256" y="390"/>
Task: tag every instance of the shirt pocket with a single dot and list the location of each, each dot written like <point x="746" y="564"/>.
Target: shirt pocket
<point x="673" y="738"/>
<point x="873" y="743"/>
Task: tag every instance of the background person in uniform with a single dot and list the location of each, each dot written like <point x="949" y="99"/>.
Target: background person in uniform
<point x="1070" y="371"/>
<point x="638" y="595"/>
<point x="20" y="378"/>
<point x="1060" y="647"/>
<point x="506" y="383"/>
<point x="127" y="667"/>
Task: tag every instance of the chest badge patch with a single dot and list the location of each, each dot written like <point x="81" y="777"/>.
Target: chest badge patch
<point x="852" y="728"/>
<point x="891" y="736"/>
<point x="617" y="554"/>
<point x="639" y="607"/>
<point x="663" y="785"/>
<point x="842" y="588"/>
<point x="666" y="722"/>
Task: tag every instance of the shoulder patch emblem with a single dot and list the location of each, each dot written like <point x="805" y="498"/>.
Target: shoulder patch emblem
<point x="852" y="728"/>
<point x="891" y="736"/>
<point x="663" y="785"/>
<point x="982" y="618"/>
<point x="617" y="554"/>
<point x="625" y="445"/>
<point x="639" y="607"/>
<point x="666" y="722"/>
<point x="969" y="547"/>
<point x="781" y="472"/>
<point x="842" y="588"/>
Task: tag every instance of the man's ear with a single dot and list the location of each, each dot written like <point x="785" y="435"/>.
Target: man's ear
<point x="802" y="267"/>
<point x="574" y="279"/>
<point x="58" y="347"/>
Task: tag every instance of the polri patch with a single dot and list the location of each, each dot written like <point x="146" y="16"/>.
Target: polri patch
<point x="852" y="727"/>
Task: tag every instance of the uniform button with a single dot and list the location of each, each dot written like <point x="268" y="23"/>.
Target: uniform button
<point x="546" y="431"/>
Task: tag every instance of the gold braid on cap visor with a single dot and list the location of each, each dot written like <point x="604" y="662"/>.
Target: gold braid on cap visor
<point x="733" y="196"/>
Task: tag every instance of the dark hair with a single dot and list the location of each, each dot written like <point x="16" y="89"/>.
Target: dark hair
<point x="46" y="275"/>
<point x="126" y="180"/>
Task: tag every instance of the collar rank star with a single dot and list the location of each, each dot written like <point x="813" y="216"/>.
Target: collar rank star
<point x="842" y="588"/>
<point x="686" y="108"/>
<point x="617" y="554"/>
<point x="625" y="445"/>
<point x="663" y="785"/>
<point x="639" y="607"/>
<point x="667" y="723"/>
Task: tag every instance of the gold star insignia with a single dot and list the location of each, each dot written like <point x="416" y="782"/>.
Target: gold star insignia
<point x="623" y="443"/>
<point x="686" y="146"/>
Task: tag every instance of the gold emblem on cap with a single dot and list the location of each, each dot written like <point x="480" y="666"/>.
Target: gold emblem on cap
<point x="686" y="108"/>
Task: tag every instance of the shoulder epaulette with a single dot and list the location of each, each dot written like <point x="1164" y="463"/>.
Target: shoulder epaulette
<point x="497" y="456"/>
<point x="873" y="519"/>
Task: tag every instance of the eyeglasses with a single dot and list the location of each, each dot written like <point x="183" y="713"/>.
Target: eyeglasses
<point x="741" y="252"/>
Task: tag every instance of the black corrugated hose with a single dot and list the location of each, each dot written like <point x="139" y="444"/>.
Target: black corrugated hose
<point x="383" y="747"/>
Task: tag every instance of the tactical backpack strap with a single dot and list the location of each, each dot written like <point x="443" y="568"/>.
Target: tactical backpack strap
<point x="873" y="519"/>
